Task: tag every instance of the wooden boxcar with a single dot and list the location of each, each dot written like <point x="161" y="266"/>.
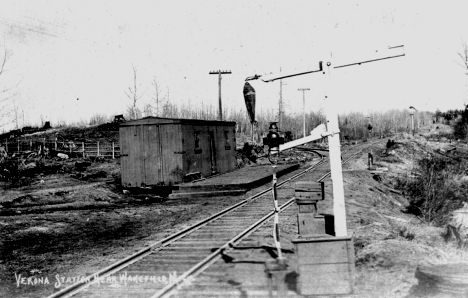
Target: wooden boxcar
<point x="162" y="151"/>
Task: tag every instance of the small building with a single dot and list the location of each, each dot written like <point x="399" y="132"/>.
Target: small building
<point x="162" y="151"/>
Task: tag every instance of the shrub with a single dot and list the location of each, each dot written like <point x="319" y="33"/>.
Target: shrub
<point x="9" y="170"/>
<point x="98" y="119"/>
<point x="460" y="129"/>
<point x="433" y="194"/>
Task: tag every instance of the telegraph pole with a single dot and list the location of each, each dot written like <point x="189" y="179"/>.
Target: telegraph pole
<point x="220" y="106"/>
<point x="368" y="123"/>
<point x="412" y="110"/>
<point x="303" y="110"/>
<point x="280" y="104"/>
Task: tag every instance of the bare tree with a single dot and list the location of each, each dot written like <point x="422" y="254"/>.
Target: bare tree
<point x="6" y="94"/>
<point x="148" y="110"/>
<point x="169" y="109"/>
<point x="4" y="59"/>
<point x="134" y="96"/>
<point x="156" y="95"/>
<point x="3" y="90"/>
<point x="464" y="57"/>
<point x="16" y="113"/>
<point x="98" y="119"/>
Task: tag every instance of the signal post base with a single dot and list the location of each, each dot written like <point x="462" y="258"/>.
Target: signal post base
<point x="325" y="265"/>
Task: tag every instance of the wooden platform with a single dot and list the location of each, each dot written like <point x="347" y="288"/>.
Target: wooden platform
<point x="235" y="182"/>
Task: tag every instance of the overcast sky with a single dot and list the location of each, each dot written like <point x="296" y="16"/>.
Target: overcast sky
<point x="59" y="51"/>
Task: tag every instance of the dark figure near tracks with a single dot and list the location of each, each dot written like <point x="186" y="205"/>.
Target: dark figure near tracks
<point x="119" y="119"/>
<point x="248" y="151"/>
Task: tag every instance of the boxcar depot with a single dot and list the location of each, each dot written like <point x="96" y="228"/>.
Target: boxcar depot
<point x="161" y="151"/>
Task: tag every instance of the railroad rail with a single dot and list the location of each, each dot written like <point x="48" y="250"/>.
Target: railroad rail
<point x="152" y="272"/>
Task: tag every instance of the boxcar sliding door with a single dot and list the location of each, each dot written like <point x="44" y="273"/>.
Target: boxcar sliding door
<point x="132" y="156"/>
<point x="153" y="167"/>
<point x="171" y="152"/>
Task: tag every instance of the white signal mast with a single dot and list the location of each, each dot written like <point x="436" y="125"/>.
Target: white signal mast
<point x="330" y="130"/>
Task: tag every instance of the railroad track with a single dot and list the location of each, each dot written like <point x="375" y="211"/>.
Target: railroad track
<point x="167" y="265"/>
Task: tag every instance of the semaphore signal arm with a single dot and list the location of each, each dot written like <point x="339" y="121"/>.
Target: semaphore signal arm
<point x="273" y="77"/>
<point x="321" y="130"/>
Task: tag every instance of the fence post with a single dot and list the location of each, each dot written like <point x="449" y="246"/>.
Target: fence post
<point x="43" y="142"/>
<point x="55" y="144"/>
<point x="97" y="148"/>
<point x="370" y="160"/>
<point x="30" y="145"/>
<point x="113" y="151"/>
<point x="18" y="145"/>
<point x="82" y="147"/>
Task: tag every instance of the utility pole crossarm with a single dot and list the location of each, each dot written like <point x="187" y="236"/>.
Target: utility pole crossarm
<point x="220" y="106"/>
<point x="220" y="72"/>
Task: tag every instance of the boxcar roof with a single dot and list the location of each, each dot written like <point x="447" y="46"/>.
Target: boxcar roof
<point x="166" y="121"/>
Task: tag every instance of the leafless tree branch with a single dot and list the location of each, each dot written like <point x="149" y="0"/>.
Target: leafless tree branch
<point x="156" y="95"/>
<point x="464" y="56"/>
<point x="4" y="99"/>
<point x="2" y="67"/>
<point x="133" y="95"/>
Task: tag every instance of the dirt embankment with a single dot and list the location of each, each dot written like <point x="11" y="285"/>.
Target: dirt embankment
<point x="389" y="242"/>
